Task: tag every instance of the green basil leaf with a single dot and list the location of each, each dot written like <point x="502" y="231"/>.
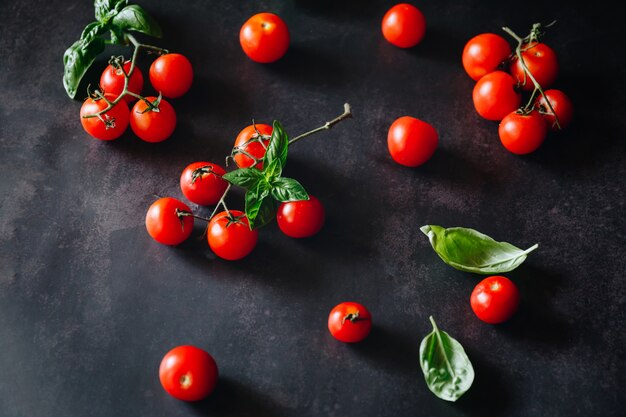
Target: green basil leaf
<point x="273" y="170"/>
<point x="447" y="369"/>
<point x="277" y="149"/>
<point x="77" y="59"/>
<point x="260" y="209"/>
<point x="247" y="178"/>
<point x="288" y="189"/>
<point x="134" y="17"/>
<point x="92" y="30"/>
<point x="107" y="9"/>
<point x="471" y="251"/>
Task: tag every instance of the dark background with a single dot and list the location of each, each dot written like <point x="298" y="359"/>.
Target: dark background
<point x="89" y="303"/>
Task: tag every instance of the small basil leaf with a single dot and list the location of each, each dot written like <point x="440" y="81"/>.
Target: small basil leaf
<point x="92" y="30"/>
<point x="273" y="170"/>
<point x="107" y="9"/>
<point x="471" y="251"/>
<point x="288" y="189"/>
<point x="277" y="148"/>
<point x="259" y="210"/>
<point x="247" y="178"/>
<point x="134" y="17"/>
<point x="77" y="59"/>
<point x="447" y="369"/>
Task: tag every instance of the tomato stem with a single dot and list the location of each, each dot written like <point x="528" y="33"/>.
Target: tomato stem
<point x="221" y="202"/>
<point x="184" y="213"/>
<point x="347" y="113"/>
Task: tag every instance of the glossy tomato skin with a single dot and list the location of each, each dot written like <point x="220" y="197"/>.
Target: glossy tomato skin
<point x="152" y="126"/>
<point x="541" y="62"/>
<point x="232" y="241"/>
<point x="188" y="373"/>
<point x="484" y="53"/>
<point x="495" y="299"/>
<point x="96" y="127"/>
<point x="112" y="81"/>
<point x="411" y="142"/>
<point x="522" y="133"/>
<point x="404" y="25"/>
<point x="349" y="322"/>
<point x="164" y="225"/>
<point x="264" y="38"/>
<point x="253" y="148"/>
<point x="562" y="106"/>
<point x="208" y="186"/>
<point x="172" y="75"/>
<point x="494" y="95"/>
<point x="300" y="219"/>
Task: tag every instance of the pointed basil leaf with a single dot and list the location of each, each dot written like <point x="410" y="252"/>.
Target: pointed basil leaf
<point x="134" y="17"/>
<point x="288" y="189"/>
<point x="273" y="170"/>
<point x="260" y="208"/>
<point x="277" y="149"/>
<point x="471" y="251"/>
<point x="107" y="9"/>
<point x="447" y="369"/>
<point x="92" y="30"/>
<point x="77" y="59"/>
<point x="247" y="178"/>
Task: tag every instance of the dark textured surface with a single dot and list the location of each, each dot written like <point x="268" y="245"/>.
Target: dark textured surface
<point x="89" y="303"/>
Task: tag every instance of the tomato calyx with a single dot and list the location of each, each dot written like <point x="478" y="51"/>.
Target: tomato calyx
<point x="185" y="380"/>
<point x="199" y="173"/>
<point x="152" y="106"/>
<point x="353" y="317"/>
<point x="241" y="149"/>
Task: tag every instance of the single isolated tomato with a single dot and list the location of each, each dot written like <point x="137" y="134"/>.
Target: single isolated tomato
<point x="522" y="133"/>
<point x="495" y="299"/>
<point x="229" y="235"/>
<point x="301" y="218"/>
<point x="404" y="25"/>
<point x="562" y="106"/>
<point x="164" y="223"/>
<point x="188" y="373"/>
<point x="202" y="183"/>
<point x="151" y="125"/>
<point x="541" y="62"/>
<point x="349" y="322"/>
<point x="248" y="143"/>
<point x="115" y="120"/>
<point x="494" y="95"/>
<point x="264" y="38"/>
<point x="171" y="74"/>
<point x="112" y="81"/>
<point x="484" y="54"/>
<point x="411" y="142"/>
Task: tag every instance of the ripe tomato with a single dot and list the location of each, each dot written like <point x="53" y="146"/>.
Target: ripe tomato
<point x="404" y="25"/>
<point x="202" y="183"/>
<point x="116" y="119"/>
<point x="301" y="218"/>
<point x="164" y="225"/>
<point x="522" y="133"/>
<point x="495" y="299"/>
<point x="171" y="74"/>
<point x="411" y="142"/>
<point x="153" y="126"/>
<point x="112" y="81"/>
<point x="562" y="106"/>
<point x="230" y="237"/>
<point x="541" y="62"/>
<point x="254" y="147"/>
<point x="484" y="53"/>
<point x="349" y="322"/>
<point x="495" y="96"/>
<point x="188" y="373"/>
<point x="264" y="38"/>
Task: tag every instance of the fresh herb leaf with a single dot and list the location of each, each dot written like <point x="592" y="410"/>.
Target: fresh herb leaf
<point x="134" y="17"/>
<point x="77" y="59"/>
<point x="247" y="178"/>
<point x="107" y="9"/>
<point x="288" y="189"/>
<point x="277" y="150"/>
<point x="260" y="208"/>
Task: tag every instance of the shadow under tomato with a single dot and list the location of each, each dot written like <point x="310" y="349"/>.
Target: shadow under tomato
<point x="441" y="44"/>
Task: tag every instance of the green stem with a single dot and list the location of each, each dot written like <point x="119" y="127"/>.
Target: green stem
<point x="221" y="203"/>
<point x="347" y="113"/>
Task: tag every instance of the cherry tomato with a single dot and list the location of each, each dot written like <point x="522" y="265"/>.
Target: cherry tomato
<point x="522" y="133"/>
<point x="188" y="373"/>
<point x="202" y="183"/>
<point x="411" y="142"/>
<point x="112" y="81"/>
<point x="153" y="126"/>
<point x="171" y="74"/>
<point x="562" y="106"/>
<point x="495" y="299"/>
<point x="301" y="218"/>
<point x="115" y="120"/>
<point x="404" y="25"/>
<point x="349" y="322"/>
<point x="264" y="38"/>
<point x="541" y="62"/>
<point x="495" y="96"/>
<point x="230" y="237"/>
<point x="484" y="53"/>
<point x="254" y="147"/>
<point x="165" y="225"/>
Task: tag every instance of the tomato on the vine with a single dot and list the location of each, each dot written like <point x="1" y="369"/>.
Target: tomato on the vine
<point x="349" y="322"/>
<point x="522" y="133"/>
<point x="541" y="62"/>
<point x="171" y="74"/>
<point x="484" y="53"/>
<point x="188" y="373"/>
<point x="202" y="183"/>
<point x="264" y="38"/>
<point x="112" y="81"/>
<point x="302" y="218"/>
<point x="229" y="235"/>
<point x="153" y="126"/>
<point x="494" y="95"/>
<point x="404" y="25"/>
<point x="562" y="106"/>
<point x="495" y="299"/>
<point x="111" y="125"/>
<point x="251" y="146"/>
<point x="164" y="223"/>
<point x="411" y="142"/>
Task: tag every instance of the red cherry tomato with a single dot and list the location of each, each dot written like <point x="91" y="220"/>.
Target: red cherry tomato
<point x="562" y="106"/>
<point x="264" y="38"/>
<point x="165" y="225"/>
<point x="153" y="126"/>
<point x="230" y="237"/>
<point x="202" y="183"/>
<point x="404" y="25"/>
<point x="115" y="120"/>
<point x="171" y="74"/>
<point x="188" y="373"/>
<point x="112" y="81"/>
<point x="484" y="53"/>
<point x="495" y="96"/>
<point x="301" y="218"/>
<point x="254" y="147"/>
<point x="522" y="133"/>
<point x="495" y="299"/>
<point x="411" y="142"/>
<point x="541" y="62"/>
<point x="349" y="322"/>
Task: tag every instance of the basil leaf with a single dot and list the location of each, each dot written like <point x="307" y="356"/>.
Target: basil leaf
<point x="288" y="189"/>
<point x="471" y="251"/>
<point x="272" y="171"/>
<point x="260" y="209"/>
<point x="447" y="369"/>
<point x="277" y="149"/>
<point x="107" y="9"/>
<point x="77" y="59"/>
<point x="134" y="17"/>
<point x="247" y="178"/>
